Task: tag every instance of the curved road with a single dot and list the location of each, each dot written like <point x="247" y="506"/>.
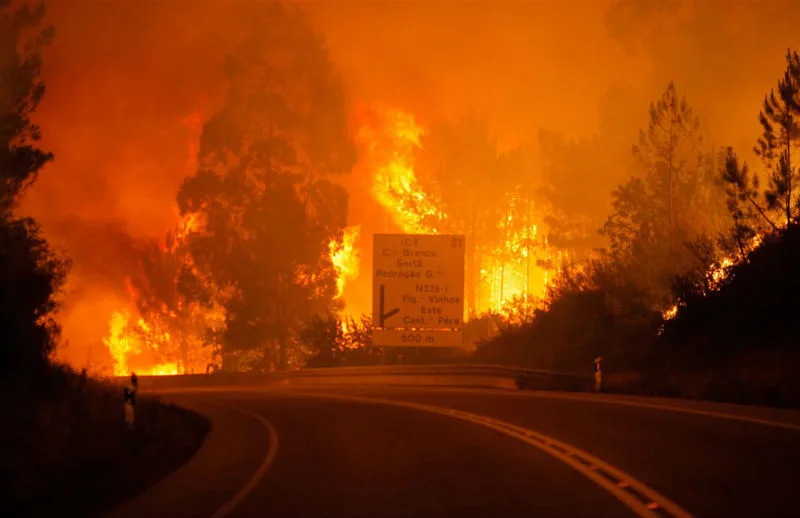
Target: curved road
<point x="371" y="451"/>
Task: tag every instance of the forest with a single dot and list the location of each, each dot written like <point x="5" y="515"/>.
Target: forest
<point x="642" y="242"/>
<point x="188" y="188"/>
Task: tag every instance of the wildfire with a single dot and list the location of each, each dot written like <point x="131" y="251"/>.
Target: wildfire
<point x="519" y="266"/>
<point x="389" y="143"/>
<point x="164" y="340"/>
<point x="719" y="272"/>
<point x="512" y="261"/>
<point x="127" y="343"/>
<point x="344" y="257"/>
<point x="189" y="224"/>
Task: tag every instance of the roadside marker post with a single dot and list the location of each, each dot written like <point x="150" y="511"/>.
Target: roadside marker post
<point x="598" y="374"/>
<point x="129" y="400"/>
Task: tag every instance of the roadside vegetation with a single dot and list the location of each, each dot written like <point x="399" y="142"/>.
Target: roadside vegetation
<point x="696" y="293"/>
<point x="65" y="449"/>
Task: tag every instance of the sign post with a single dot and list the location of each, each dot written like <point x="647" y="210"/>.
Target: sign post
<point x="418" y="290"/>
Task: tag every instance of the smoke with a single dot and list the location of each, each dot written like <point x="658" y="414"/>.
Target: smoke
<point x="129" y="85"/>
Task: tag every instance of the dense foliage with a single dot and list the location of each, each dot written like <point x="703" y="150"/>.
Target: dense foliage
<point x="696" y="291"/>
<point x="31" y="273"/>
<point x="266" y="206"/>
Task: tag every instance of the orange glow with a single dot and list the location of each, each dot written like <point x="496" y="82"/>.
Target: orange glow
<point x="165" y="341"/>
<point x="389" y="143"/>
<point x="131" y="84"/>
<point x="719" y="272"/>
<point x="521" y="264"/>
<point x="345" y="258"/>
<point x="516" y="260"/>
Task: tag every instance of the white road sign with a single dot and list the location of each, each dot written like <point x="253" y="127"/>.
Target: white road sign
<point x="418" y="283"/>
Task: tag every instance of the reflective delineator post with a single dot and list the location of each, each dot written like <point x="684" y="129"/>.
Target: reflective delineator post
<point x="598" y="374"/>
<point x="130" y="399"/>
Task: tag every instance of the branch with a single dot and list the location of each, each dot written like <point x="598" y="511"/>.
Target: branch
<point x="763" y="214"/>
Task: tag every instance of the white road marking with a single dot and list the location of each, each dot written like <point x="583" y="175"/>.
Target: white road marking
<point x="269" y="458"/>
<point x="640" y="498"/>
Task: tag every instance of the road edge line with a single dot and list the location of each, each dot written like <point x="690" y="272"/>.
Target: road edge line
<point x="550" y="446"/>
<point x="668" y="408"/>
<point x="255" y="478"/>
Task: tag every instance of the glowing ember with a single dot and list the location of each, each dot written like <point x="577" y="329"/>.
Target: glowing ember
<point x="670" y="313"/>
<point x="719" y="272"/>
<point x="344" y="257"/>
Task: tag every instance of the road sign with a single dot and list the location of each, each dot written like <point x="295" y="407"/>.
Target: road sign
<point x="418" y="337"/>
<point x="418" y="283"/>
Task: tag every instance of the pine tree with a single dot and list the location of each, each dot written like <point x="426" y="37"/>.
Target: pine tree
<point x="742" y="193"/>
<point x="669" y="151"/>
<point x="674" y="201"/>
<point x="21" y="90"/>
<point x="780" y="120"/>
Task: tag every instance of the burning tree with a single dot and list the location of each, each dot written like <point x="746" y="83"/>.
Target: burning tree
<point x="463" y="165"/>
<point x="453" y="178"/>
<point x="270" y="215"/>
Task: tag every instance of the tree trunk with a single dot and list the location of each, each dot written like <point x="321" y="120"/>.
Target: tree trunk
<point x="471" y="273"/>
<point x="788" y="179"/>
<point x="670" y="172"/>
<point x="529" y="223"/>
<point x="502" y="278"/>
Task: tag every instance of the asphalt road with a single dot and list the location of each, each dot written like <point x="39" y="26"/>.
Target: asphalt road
<point x="376" y="451"/>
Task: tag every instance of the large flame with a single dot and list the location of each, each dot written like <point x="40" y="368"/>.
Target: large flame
<point x="515" y="262"/>
<point x="128" y="344"/>
<point x="389" y="141"/>
<point x="164" y="341"/>
<point x="344" y="257"/>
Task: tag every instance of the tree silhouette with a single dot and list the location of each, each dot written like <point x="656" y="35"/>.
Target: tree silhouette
<point x="269" y="213"/>
<point x="31" y="274"/>
<point x="674" y="201"/>
<point x="780" y="121"/>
